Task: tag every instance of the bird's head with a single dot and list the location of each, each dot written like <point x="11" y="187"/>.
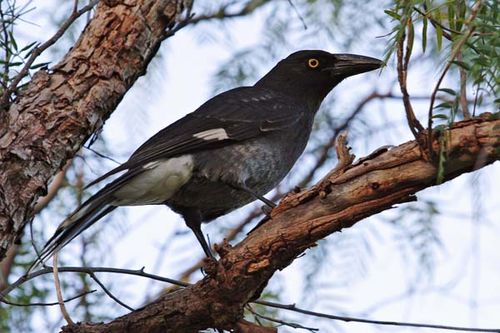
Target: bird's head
<point x="312" y="74"/>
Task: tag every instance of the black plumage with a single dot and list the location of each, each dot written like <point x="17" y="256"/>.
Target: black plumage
<point x="230" y="151"/>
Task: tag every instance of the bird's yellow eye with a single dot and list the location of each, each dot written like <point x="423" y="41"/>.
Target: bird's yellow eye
<point x="313" y="63"/>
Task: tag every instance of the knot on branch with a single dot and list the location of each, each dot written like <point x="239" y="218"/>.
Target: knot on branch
<point x="323" y="188"/>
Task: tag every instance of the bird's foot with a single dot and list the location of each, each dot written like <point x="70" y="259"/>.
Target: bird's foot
<point x="267" y="211"/>
<point x="209" y="266"/>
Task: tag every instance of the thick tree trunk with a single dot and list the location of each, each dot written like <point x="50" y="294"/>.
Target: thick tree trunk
<point x="62" y="107"/>
<point x="345" y="196"/>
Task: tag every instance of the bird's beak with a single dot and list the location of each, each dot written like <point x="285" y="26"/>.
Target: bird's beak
<point x="351" y="64"/>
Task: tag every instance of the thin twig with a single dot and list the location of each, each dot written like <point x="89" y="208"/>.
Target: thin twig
<point x="32" y="239"/>
<point x="298" y="14"/>
<point x="463" y="89"/>
<point x="292" y="307"/>
<point x="47" y="270"/>
<point x="37" y="51"/>
<point x="222" y="13"/>
<point x="109" y="293"/>
<point x="5" y="78"/>
<point x="75" y="6"/>
<point x="476" y="99"/>
<point x="281" y="322"/>
<point x="101" y="154"/>
<point x="3" y="300"/>
<point x="403" y="60"/>
<point x="453" y="55"/>
<point x="60" y="298"/>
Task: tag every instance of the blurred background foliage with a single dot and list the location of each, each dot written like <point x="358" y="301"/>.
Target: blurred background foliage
<point x="458" y="40"/>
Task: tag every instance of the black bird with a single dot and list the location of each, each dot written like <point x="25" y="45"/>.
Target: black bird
<point x="229" y="152"/>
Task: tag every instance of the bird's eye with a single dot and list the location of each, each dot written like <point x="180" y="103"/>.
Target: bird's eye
<point x="313" y="63"/>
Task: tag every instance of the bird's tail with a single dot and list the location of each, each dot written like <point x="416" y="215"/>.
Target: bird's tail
<point x="82" y="218"/>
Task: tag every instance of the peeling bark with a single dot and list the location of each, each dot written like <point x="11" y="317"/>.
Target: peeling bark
<point x="346" y="196"/>
<point x="62" y="107"/>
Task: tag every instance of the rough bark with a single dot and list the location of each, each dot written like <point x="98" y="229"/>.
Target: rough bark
<point x="345" y="196"/>
<point x="62" y="107"/>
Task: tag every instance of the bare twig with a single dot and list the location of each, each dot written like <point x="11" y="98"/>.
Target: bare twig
<point x="463" y="89"/>
<point x="5" y="78"/>
<point x="281" y="322"/>
<point x="60" y="298"/>
<point x="476" y="99"/>
<point x="75" y="6"/>
<point x="298" y="14"/>
<point x="47" y="270"/>
<point x="223" y="13"/>
<point x="220" y="14"/>
<point x="108" y="292"/>
<point x="403" y="59"/>
<point x="292" y="307"/>
<point x="101" y="155"/>
<point x="3" y="300"/>
<point x="37" y="51"/>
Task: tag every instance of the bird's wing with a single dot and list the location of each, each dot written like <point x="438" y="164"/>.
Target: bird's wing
<point x="235" y="115"/>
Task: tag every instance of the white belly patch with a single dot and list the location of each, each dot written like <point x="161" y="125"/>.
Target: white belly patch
<point x="157" y="184"/>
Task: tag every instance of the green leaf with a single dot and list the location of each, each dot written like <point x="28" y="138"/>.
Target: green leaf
<point x="39" y="65"/>
<point x="30" y="45"/>
<point x="439" y="37"/>
<point x="440" y="116"/>
<point x="13" y="40"/>
<point x="451" y="14"/>
<point x="444" y="105"/>
<point x="424" y="34"/>
<point x="440" y="129"/>
<point x="393" y="14"/>
<point x="462" y="8"/>
<point x="448" y="91"/>
<point x="14" y="64"/>
<point x="441" y="163"/>
<point x="411" y="38"/>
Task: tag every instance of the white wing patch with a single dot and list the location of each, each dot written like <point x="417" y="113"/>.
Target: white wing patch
<point x="218" y="134"/>
<point x="157" y="184"/>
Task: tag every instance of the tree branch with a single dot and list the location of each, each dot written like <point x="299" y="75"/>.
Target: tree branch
<point x="345" y="197"/>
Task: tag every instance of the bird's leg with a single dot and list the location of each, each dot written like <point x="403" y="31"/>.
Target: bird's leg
<point x="192" y="218"/>
<point x="244" y="188"/>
